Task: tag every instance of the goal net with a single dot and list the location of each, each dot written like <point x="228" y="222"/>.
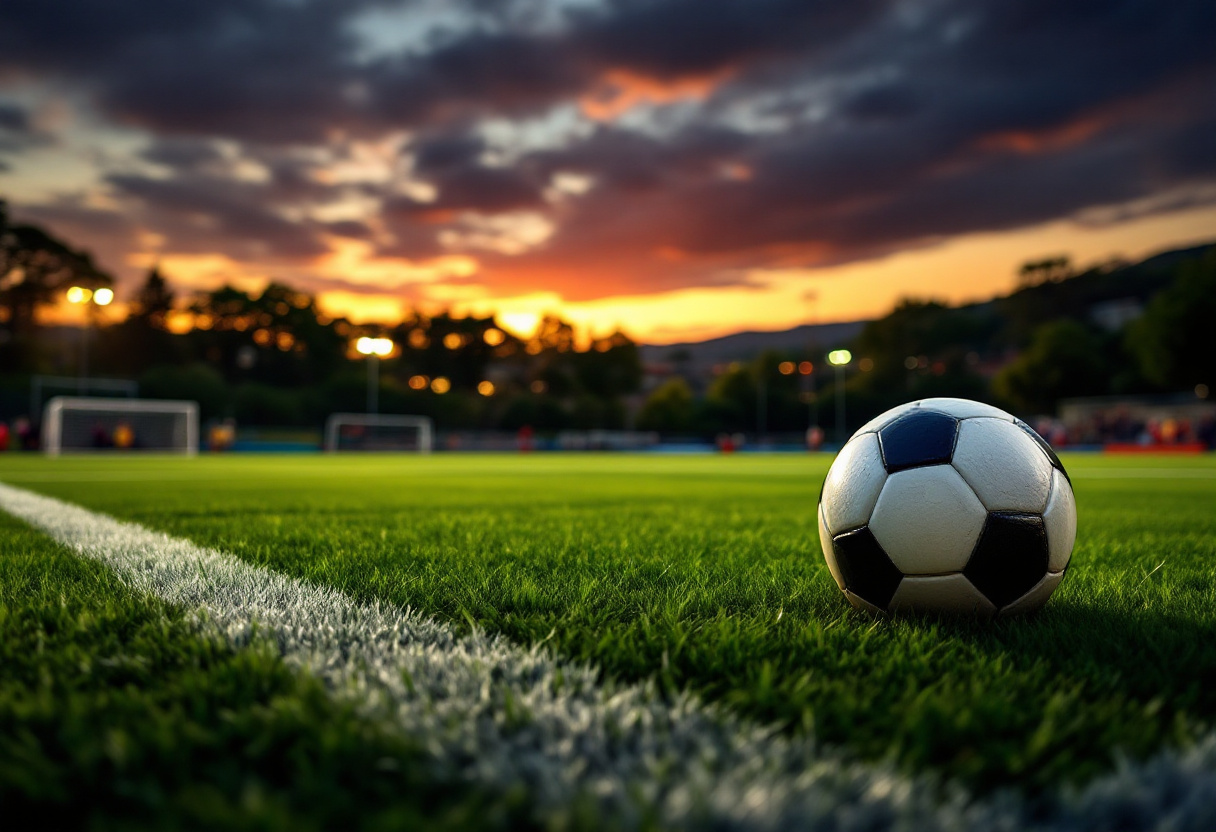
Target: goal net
<point x="71" y="425"/>
<point x="370" y="432"/>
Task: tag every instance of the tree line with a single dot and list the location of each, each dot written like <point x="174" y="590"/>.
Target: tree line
<point x="274" y="358"/>
<point x="1115" y="329"/>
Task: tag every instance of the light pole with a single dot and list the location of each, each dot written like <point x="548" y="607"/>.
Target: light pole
<point x="761" y="406"/>
<point x="840" y="359"/>
<point x="374" y="349"/>
<point x="90" y="299"/>
<point x="807" y="369"/>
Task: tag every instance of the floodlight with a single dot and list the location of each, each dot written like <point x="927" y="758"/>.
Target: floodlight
<point x="379" y="347"/>
<point x="840" y="357"/>
<point x="103" y="296"/>
<point x="79" y="294"/>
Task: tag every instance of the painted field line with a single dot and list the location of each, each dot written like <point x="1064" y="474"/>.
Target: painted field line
<point x="1145" y="473"/>
<point x="504" y="716"/>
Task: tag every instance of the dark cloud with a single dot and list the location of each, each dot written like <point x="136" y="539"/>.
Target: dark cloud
<point x="446" y="151"/>
<point x="17" y="130"/>
<point x="207" y="215"/>
<point x="476" y="188"/>
<point x="257" y="69"/>
<point x="183" y="154"/>
<point x="687" y="37"/>
<point x="810" y="132"/>
<point x="348" y="228"/>
<point x="14" y="119"/>
<point x="287" y="72"/>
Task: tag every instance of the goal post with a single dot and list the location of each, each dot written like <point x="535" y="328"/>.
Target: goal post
<point x="83" y="424"/>
<point x="374" y="432"/>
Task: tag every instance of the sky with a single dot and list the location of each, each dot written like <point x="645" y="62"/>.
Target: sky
<point x="679" y="169"/>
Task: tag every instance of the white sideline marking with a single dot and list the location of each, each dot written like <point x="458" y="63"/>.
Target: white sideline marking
<point x="506" y="716"/>
<point x="1145" y="473"/>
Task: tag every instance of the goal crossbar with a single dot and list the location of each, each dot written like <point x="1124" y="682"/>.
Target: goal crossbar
<point x="186" y="435"/>
<point x="335" y="423"/>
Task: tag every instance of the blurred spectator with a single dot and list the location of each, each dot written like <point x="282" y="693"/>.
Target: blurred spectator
<point x="524" y="439"/>
<point x="124" y="436"/>
<point x="814" y="438"/>
<point x="1119" y="424"/>
<point x="27" y="437"/>
<point x="222" y="435"/>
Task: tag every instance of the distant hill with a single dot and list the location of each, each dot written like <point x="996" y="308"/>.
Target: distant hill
<point x="742" y="346"/>
<point x="1076" y="296"/>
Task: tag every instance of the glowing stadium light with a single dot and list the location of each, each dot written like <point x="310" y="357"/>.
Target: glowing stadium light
<point x="379" y="347"/>
<point x="840" y="359"/>
<point x="374" y="348"/>
<point x="806" y="368"/>
<point x="81" y="295"/>
<point x="494" y="337"/>
<point x="441" y="385"/>
<point x="486" y="388"/>
<point x="786" y="368"/>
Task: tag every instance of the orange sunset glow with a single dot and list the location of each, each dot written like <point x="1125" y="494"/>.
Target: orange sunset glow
<point x="617" y="167"/>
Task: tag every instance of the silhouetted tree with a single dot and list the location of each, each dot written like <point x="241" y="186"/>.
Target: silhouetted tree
<point x="35" y="266"/>
<point x="1047" y="270"/>
<point x="1064" y="359"/>
<point x="669" y="408"/>
<point x="1175" y="341"/>
<point x="154" y="301"/>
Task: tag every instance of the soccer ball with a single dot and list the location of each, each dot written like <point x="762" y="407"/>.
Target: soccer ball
<point x="947" y="506"/>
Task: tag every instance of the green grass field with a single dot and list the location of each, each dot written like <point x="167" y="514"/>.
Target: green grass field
<point x="703" y="573"/>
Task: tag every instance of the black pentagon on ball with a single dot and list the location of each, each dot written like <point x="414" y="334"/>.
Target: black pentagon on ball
<point x="919" y="437"/>
<point x="867" y="571"/>
<point x="1045" y="446"/>
<point x="1010" y="558"/>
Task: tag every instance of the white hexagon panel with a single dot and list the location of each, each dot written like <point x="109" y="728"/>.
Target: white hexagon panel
<point x="964" y="408"/>
<point x="854" y="481"/>
<point x="829" y="552"/>
<point x="1003" y="465"/>
<point x="949" y="594"/>
<point x="1060" y="518"/>
<point x="928" y="520"/>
